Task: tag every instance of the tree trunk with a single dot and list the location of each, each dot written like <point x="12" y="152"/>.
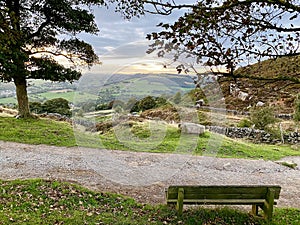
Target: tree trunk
<point x="22" y="98"/>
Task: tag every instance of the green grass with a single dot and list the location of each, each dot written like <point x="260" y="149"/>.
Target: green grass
<point x="138" y="137"/>
<point x="8" y="100"/>
<point x="53" y="202"/>
<point x="207" y="144"/>
<point x="71" y="96"/>
<point x="36" y="131"/>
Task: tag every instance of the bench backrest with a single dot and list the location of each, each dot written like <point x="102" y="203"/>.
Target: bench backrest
<point x="223" y="192"/>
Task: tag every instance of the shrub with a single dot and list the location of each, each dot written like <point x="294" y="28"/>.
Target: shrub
<point x="245" y="123"/>
<point x="177" y="98"/>
<point x="261" y="117"/>
<point x="57" y="105"/>
<point x="36" y="107"/>
<point x="146" y="103"/>
<point x="297" y="109"/>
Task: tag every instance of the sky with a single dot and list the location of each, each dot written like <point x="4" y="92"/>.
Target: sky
<point x="121" y="44"/>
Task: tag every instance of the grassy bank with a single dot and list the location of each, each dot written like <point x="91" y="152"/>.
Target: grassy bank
<point x="208" y="144"/>
<point x="52" y="202"/>
<point x="36" y="131"/>
<point x="49" y="132"/>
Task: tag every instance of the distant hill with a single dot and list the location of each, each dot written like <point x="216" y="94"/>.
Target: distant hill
<point x="92" y="87"/>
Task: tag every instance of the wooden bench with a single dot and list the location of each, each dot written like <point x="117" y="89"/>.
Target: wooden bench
<point x="256" y="195"/>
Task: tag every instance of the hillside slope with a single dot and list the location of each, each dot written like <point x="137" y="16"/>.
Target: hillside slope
<point x="241" y="93"/>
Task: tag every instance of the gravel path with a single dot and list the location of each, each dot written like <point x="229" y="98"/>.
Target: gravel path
<point x="143" y="175"/>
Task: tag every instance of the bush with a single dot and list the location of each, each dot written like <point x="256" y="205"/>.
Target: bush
<point x="297" y="109"/>
<point x="261" y="117"/>
<point x="274" y="131"/>
<point x="36" y="107"/>
<point x="177" y="98"/>
<point x="245" y="123"/>
<point x="146" y="103"/>
<point x="57" y="105"/>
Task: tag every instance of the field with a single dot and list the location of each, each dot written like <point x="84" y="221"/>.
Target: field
<point x="91" y="87"/>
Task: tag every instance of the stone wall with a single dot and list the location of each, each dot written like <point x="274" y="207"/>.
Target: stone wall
<point x="258" y="136"/>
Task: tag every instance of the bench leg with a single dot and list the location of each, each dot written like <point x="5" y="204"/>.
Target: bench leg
<point x="179" y="205"/>
<point x="255" y="210"/>
<point x="268" y="206"/>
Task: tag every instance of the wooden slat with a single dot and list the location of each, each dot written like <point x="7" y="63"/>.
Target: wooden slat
<point x="219" y="201"/>
<point x="220" y="196"/>
<point x="223" y="189"/>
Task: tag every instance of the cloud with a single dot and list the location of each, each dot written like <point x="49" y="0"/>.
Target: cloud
<point x="121" y="43"/>
<point x="130" y="50"/>
<point x="116" y="31"/>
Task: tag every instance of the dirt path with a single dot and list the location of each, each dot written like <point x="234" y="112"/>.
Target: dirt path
<point x="143" y="175"/>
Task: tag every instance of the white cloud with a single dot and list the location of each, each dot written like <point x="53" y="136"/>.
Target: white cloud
<point x="123" y="42"/>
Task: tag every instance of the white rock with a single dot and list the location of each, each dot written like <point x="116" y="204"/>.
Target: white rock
<point x="260" y="104"/>
<point x="242" y="95"/>
<point x="192" y="128"/>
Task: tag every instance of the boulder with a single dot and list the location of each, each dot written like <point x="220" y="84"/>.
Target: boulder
<point x="191" y="128"/>
<point x="260" y="104"/>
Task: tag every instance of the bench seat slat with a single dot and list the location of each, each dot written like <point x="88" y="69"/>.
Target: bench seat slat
<point x="220" y="201"/>
<point x="218" y="196"/>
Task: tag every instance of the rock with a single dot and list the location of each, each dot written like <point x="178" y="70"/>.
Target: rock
<point x="233" y="89"/>
<point x="201" y="102"/>
<point x="226" y="165"/>
<point x="260" y="104"/>
<point x="242" y="95"/>
<point x="192" y="128"/>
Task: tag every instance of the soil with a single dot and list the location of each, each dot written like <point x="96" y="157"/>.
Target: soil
<point x="143" y="176"/>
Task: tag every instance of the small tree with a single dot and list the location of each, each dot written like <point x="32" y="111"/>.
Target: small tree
<point x="261" y="117"/>
<point x="297" y="109"/>
<point x="57" y="105"/>
<point x="177" y="98"/>
<point x="147" y="103"/>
